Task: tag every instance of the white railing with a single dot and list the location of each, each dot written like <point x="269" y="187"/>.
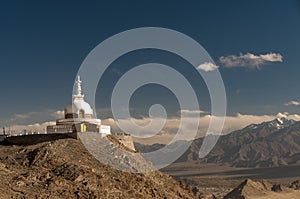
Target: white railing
<point x="10" y="133"/>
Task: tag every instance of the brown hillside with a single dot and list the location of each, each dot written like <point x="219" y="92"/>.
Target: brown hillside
<point x="65" y="169"/>
<point x="263" y="189"/>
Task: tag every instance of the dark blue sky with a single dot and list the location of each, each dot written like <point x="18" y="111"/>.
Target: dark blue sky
<point x="42" y="45"/>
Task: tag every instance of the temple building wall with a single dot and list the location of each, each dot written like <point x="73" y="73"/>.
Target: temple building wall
<point x="86" y="127"/>
<point x="74" y="128"/>
<point x="60" y="128"/>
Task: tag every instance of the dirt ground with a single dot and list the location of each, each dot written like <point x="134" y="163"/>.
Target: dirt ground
<point x="65" y="169"/>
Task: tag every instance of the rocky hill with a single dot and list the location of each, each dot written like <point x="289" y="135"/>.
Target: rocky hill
<point x="65" y="169"/>
<point x="264" y="189"/>
<point x="273" y="143"/>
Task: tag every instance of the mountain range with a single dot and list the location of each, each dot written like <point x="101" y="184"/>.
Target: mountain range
<point x="268" y="144"/>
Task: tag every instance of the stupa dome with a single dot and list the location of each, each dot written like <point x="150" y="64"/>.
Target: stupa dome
<point x="79" y="108"/>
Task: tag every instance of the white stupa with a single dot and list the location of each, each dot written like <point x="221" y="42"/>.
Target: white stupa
<point x="79" y="116"/>
<point x="79" y="107"/>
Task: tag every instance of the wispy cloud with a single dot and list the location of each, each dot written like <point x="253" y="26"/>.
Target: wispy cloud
<point x="292" y="103"/>
<point x="171" y="125"/>
<point x="250" y="60"/>
<point x="32" y="117"/>
<point x="190" y="113"/>
<point x="58" y="114"/>
<point x="232" y="123"/>
<point x="22" y="116"/>
<point x="30" y="127"/>
<point x="207" y="66"/>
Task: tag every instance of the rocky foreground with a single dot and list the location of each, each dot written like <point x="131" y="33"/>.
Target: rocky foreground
<point x="65" y="169"/>
<point x="264" y="189"/>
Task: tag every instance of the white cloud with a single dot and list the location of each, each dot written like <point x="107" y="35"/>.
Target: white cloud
<point x="32" y="117"/>
<point x="58" y="114"/>
<point x="192" y="113"/>
<point x="207" y="66"/>
<point x="292" y="103"/>
<point x="232" y="123"/>
<point x="23" y="116"/>
<point x="20" y="116"/>
<point x="250" y="60"/>
<point x="171" y="125"/>
<point x="41" y="127"/>
<point x="272" y="57"/>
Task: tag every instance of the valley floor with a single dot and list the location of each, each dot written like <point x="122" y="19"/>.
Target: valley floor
<point x="220" y="179"/>
<point x="281" y="174"/>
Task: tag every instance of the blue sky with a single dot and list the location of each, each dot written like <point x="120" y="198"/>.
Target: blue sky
<point x="44" y="43"/>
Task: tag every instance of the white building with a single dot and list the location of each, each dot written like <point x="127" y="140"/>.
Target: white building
<point x="79" y="117"/>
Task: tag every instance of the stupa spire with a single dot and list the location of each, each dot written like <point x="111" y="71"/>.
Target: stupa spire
<point x="78" y="93"/>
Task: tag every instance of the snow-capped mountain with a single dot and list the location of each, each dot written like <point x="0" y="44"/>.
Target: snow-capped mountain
<point x="271" y="143"/>
<point x="277" y="123"/>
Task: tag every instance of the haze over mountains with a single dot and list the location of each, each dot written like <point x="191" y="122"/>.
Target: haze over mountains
<point x="269" y="144"/>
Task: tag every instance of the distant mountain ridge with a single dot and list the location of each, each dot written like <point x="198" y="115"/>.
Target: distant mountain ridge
<point x="272" y="143"/>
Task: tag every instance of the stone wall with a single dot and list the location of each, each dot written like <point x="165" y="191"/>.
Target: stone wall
<point x="123" y="138"/>
<point x="37" y="138"/>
